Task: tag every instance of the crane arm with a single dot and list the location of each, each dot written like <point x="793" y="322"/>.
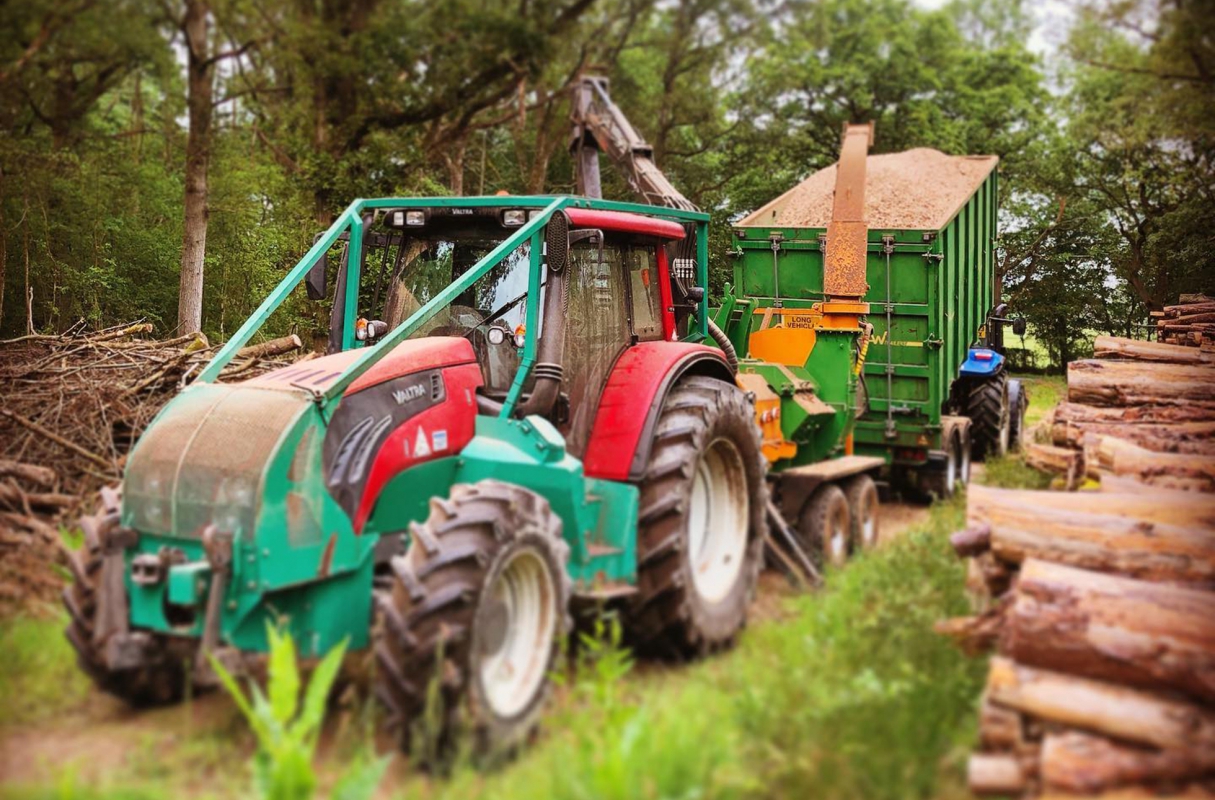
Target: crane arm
<point x="600" y="126"/>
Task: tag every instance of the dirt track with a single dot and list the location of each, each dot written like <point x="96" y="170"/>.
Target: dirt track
<point x="105" y="740"/>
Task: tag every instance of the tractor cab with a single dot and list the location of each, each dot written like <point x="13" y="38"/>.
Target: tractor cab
<point x="611" y="288"/>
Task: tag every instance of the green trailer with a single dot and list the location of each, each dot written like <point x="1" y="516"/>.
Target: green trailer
<point x="928" y="386"/>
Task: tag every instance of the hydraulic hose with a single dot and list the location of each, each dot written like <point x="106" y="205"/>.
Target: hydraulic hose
<point x="725" y="344"/>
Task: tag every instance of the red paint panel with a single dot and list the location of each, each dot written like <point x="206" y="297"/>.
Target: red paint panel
<point x="621" y="417"/>
<point x="623" y="221"/>
<point x="454" y="421"/>
<point x="664" y="296"/>
<point x="411" y="355"/>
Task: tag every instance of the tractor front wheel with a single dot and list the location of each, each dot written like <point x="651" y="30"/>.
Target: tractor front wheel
<point x="467" y="633"/>
<point x="97" y="607"/>
<point x="702" y="522"/>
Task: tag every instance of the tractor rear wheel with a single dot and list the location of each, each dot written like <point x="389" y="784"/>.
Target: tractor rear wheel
<point x="467" y="634"/>
<point x="988" y="409"/>
<point x="862" y="495"/>
<point x="98" y="593"/>
<point x="702" y="521"/>
<point x="825" y="525"/>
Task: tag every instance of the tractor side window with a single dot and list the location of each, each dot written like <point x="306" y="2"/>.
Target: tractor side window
<point x="643" y="283"/>
<point x="597" y="328"/>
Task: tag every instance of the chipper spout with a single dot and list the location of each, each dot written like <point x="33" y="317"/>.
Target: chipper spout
<point x="848" y="232"/>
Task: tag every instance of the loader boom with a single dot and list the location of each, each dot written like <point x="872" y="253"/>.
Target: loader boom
<point x="599" y="124"/>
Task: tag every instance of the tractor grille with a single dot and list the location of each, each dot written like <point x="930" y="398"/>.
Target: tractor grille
<point x="201" y="461"/>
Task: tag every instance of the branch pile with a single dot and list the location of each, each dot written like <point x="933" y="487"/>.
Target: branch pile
<point x="1100" y="604"/>
<point x="72" y="407"/>
<point x="1191" y="322"/>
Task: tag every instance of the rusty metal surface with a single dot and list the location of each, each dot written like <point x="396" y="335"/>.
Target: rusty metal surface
<point x="848" y="233"/>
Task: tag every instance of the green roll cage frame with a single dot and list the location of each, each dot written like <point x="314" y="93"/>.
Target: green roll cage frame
<point x="352" y="220"/>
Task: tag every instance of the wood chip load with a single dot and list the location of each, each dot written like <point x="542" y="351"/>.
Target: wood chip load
<point x="71" y="407"/>
<point x="1190" y="323"/>
<point x="1099" y="604"/>
<point x="919" y="189"/>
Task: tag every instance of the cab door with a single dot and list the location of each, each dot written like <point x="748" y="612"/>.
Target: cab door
<point x="613" y="303"/>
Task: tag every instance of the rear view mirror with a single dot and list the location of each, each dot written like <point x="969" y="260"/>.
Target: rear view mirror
<point x="314" y="280"/>
<point x="557" y="241"/>
<point x="496" y="336"/>
<point x="1019" y="326"/>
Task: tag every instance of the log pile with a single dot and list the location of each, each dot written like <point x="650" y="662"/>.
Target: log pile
<point x="71" y="407"/>
<point x="1100" y="607"/>
<point x="1099" y="604"/>
<point x="1144" y="410"/>
<point x="1191" y="322"/>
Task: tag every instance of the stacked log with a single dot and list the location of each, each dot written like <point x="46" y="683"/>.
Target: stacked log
<point x="1101" y="613"/>
<point x="71" y="407"/>
<point x="1140" y="409"/>
<point x="1190" y="323"/>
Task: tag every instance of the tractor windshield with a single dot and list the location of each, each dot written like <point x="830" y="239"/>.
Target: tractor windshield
<point x="405" y="269"/>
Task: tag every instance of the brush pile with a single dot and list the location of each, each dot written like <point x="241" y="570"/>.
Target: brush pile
<point x="1191" y="322"/>
<point x="1100" y="603"/>
<point x="72" y="406"/>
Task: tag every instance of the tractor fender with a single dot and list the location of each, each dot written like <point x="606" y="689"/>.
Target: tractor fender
<point x="632" y="400"/>
<point x="981" y="362"/>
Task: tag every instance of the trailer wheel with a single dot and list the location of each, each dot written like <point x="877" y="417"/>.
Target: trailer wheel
<point x="1018" y="401"/>
<point x="943" y="483"/>
<point x="467" y="634"/>
<point x="988" y="408"/>
<point x="862" y="495"/>
<point x="161" y="677"/>
<point x="825" y="525"/>
<point x="702" y="521"/>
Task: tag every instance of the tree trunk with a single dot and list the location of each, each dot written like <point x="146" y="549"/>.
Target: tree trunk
<point x="1168" y="470"/>
<point x="1065" y="461"/>
<point x="200" y="70"/>
<point x="273" y="347"/>
<point x="1147" y="718"/>
<point x="1125" y="383"/>
<point x="1146" y="414"/>
<point x="1113" y="628"/>
<point x="1081" y="762"/>
<point x="999" y="774"/>
<point x="1192" y="438"/>
<point x="1133" y="349"/>
<point x="1137" y="535"/>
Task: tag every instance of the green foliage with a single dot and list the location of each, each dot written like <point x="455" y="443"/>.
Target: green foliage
<point x="39" y="678"/>
<point x="853" y="695"/>
<point x="287" y="729"/>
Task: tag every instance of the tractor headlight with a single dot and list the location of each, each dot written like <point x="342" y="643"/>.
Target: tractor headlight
<point x="514" y="217"/>
<point x="415" y="218"/>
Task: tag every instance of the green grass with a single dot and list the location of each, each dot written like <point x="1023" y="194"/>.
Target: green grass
<point x="853" y="696"/>
<point x="1045" y="391"/>
<point x="38" y="673"/>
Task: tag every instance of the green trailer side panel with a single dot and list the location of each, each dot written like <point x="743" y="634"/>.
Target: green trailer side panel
<point x="941" y="288"/>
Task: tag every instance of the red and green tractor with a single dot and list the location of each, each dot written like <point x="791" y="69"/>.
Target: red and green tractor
<point x="518" y="415"/>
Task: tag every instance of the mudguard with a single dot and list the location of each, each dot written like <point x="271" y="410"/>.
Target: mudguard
<point x="632" y="400"/>
<point x="981" y="362"/>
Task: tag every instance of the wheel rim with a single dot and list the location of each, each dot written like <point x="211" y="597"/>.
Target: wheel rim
<point x="1005" y="426"/>
<point x="514" y="664"/>
<point x="718" y="520"/>
<point x="837" y="541"/>
<point x="951" y="468"/>
<point x="964" y="466"/>
<point x="868" y="509"/>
